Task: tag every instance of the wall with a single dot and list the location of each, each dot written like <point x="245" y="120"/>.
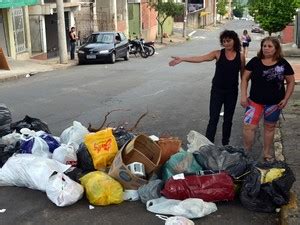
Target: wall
<point x="84" y="19"/>
<point x="194" y="20"/>
<point x="149" y="22"/>
<point x="105" y="15"/>
<point x="287" y="34"/>
<point x="122" y="16"/>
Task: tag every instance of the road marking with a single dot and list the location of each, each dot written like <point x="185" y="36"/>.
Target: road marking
<point x="156" y="93"/>
<point x="199" y="37"/>
<point x="190" y="34"/>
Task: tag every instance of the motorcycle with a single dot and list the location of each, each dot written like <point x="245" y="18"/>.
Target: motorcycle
<point x="137" y="46"/>
<point x="150" y="45"/>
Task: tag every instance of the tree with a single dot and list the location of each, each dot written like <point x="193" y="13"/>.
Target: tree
<point x="273" y="15"/>
<point x="165" y="10"/>
<point x="221" y="8"/>
<point x="238" y="10"/>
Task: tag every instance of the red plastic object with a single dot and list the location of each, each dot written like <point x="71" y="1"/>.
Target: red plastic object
<point x="210" y="188"/>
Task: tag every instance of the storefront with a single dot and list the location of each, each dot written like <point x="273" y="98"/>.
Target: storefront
<point x="14" y="28"/>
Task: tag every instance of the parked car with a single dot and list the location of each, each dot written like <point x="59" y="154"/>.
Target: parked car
<point x="104" y="46"/>
<point x="257" y="30"/>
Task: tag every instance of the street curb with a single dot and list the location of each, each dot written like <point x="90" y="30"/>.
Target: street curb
<point x="17" y="76"/>
<point x="286" y="211"/>
<point x="278" y="151"/>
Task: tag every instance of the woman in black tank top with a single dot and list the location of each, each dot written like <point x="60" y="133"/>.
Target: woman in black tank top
<point x="224" y="92"/>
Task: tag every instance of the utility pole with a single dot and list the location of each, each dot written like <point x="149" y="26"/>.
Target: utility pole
<point x="185" y="13"/>
<point x="215" y="12"/>
<point x="61" y="32"/>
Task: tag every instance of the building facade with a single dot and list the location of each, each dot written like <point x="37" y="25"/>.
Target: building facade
<point x="15" y="39"/>
<point x="43" y="26"/>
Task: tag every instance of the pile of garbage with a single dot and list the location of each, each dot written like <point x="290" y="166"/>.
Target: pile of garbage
<point x="111" y="165"/>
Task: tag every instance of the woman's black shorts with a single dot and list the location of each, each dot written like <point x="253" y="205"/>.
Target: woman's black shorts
<point x="245" y="44"/>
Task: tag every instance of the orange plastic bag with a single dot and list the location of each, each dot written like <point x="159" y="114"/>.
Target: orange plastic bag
<point x="169" y="146"/>
<point x="103" y="148"/>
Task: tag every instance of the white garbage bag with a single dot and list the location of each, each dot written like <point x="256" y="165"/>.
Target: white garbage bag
<point x="176" y="220"/>
<point x="65" y="154"/>
<point x="190" y="208"/>
<point x="28" y="170"/>
<point x="63" y="191"/>
<point x="11" y="139"/>
<point x="196" y="140"/>
<point x="74" y="134"/>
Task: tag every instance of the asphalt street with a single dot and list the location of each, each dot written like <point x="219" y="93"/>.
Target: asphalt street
<point x="176" y="100"/>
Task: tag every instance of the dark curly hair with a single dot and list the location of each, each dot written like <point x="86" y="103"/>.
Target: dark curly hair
<point x="231" y="35"/>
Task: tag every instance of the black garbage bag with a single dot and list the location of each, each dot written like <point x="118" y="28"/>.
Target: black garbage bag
<point x="228" y="158"/>
<point x="75" y="174"/>
<point x="122" y="136"/>
<point x="266" y="197"/>
<point x="5" y="120"/>
<point x="84" y="159"/>
<point x="30" y="123"/>
<point x="6" y="151"/>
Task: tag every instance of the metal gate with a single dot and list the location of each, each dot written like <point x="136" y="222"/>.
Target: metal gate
<point x="19" y="33"/>
<point x="134" y="19"/>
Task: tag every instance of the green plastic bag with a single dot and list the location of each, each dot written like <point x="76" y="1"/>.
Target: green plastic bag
<point x="181" y="162"/>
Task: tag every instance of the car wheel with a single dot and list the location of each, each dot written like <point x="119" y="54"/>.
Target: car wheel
<point x="113" y="58"/>
<point x="81" y="62"/>
<point x="127" y="55"/>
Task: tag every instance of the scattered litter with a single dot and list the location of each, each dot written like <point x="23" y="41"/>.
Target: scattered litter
<point x="277" y="210"/>
<point x="91" y="207"/>
<point x="2" y="210"/>
<point x="27" y="75"/>
<point x="175" y="220"/>
<point x="221" y="113"/>
<point x="154" y="138"/>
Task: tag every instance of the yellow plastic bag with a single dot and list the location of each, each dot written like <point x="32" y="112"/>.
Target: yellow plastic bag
<point x="103" y="148"/>
<point x="101" y="189"/>
<point x="269" y="175"/>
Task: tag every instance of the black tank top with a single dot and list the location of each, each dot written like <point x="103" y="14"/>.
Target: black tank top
<point x="227" y="72"/>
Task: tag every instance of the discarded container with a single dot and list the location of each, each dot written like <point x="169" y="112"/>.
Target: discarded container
<point x="141" y="149"/>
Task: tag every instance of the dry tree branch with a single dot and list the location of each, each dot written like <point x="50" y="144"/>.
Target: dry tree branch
<point x="90" y="129"/>
<point x="138" y="121"/>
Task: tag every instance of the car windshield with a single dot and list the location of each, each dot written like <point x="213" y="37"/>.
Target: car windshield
<point x="101" y="38"/>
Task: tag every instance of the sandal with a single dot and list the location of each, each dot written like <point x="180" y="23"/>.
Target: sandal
<point x="269" y="159"/>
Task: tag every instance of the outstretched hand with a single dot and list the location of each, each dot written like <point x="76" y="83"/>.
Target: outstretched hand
<point x="175" y="60"/>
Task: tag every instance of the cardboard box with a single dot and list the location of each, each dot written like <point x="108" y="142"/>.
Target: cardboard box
<point x="141" y="149"/>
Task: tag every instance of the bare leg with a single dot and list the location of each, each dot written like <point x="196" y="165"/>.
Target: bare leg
<point x="269" y="132"/>
<point x="248" y="133"/>
<point x="246" y="52"/>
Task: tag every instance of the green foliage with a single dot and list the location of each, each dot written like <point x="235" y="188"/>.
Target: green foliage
<point x="238" y="11"/>
<point x="165" y="10"/>
<point x="273" y="15"/>
<point x="221" y="7"/>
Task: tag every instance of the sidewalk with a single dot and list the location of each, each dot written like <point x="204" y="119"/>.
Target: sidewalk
<point x="26" y="68"/>
<point x="290" y="134"/>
